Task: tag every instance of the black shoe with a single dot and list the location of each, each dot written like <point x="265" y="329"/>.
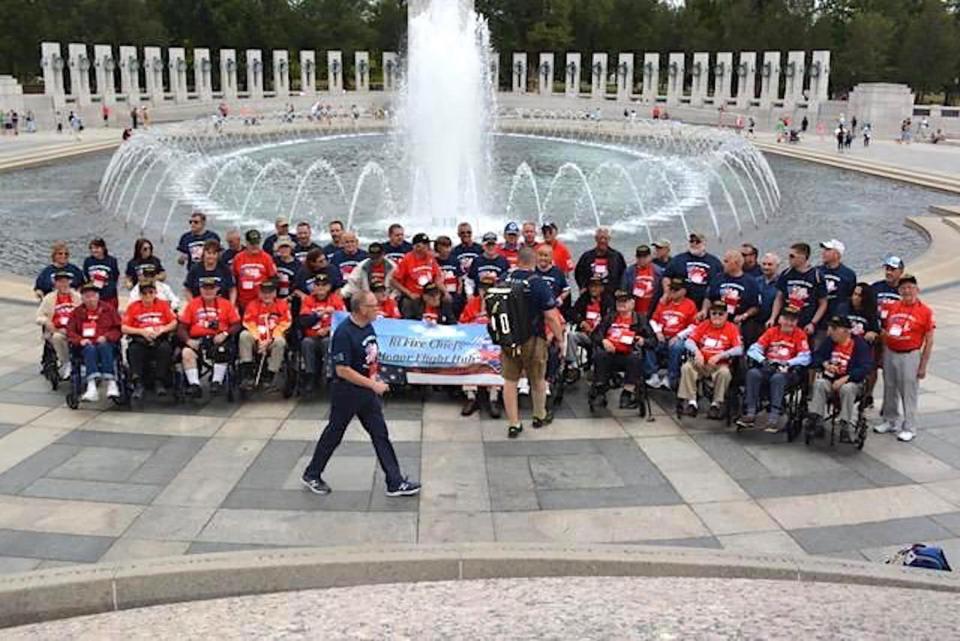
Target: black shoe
<point x="194" y="391"/>
<point x="406" y="488"/>
<point x="317" y="486"/>
<point x="692" y="410"/>
<point x="514" y="430"/>
<point x="310" y="385"/>
<point x="160" y="389"/>
<point x="714" y="413"/>
<point x="542" y="422"/>
<point x="868" y="402"/>
<point x="628" y="400"/>
<point x="846" y="433"/>
<point x="496" y="408"/>
<point x="267" y="378"/>
<point x="137" y="391"/>
<point x="246" y="376"/>
<point x="216" y="388"/>
<point x="469" y="407"/>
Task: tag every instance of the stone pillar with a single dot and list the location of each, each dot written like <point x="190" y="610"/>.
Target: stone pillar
<point x="281" y="73"/>
<point x="820" y="77"/>
<point x="178" y="74"/>
<point x="494" y="57"/>
<point x="79" y="73"/>
<point x="675" y="74"/>
<point x="334" y="71"/>
<point x="884" y="105"/>
<point x="104" y="65"/>
<point x="308" y="73"/>
<point x="625" y="76"/>
<point x="361" y="71"/>
<point x="130" y="74"/>
<point x="722" y="76"/>
<point x="52" y="63"/>
<point x="391" y="71"/>
<point x="11" y="95"/>
<point x="746" y="79"/>
<point x="545" y="74"/>
<point x="203" y="75"/>
<point x="228" y="73"/>
<point x="770" y="79"/>
<point x="572" y="75"/>
<point x="651" y="77"/>
<point x="598" y="75"/>
<point x="699" y="73"/>
<point x="519" y="72"/>
<point x="255" y="74"/>
<point x="794" y="71"/>
<point x="153" y="72"/>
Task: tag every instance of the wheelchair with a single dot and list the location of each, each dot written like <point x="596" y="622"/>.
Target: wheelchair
<point x="794" y="404"/>
<point x="860" y="427"/>
<point x="49" y="366"/>
<point x="231" y="381"/>
<point x="557" y="373"/>
<point x="78" y="377"/>
<point x="705" y="389"/>
<point x="150" y="377"/>
<point x="598" y="401"/>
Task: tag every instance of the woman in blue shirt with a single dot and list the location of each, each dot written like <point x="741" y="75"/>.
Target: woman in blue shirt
<point x="59" y="262"/>
<point x="102" y="270"/>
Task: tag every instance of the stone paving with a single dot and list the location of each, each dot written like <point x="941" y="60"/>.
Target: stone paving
<point x="107" y="483"/>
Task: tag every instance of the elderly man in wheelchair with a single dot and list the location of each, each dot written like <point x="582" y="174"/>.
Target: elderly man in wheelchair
<point x="778" y="358"/>
<point x="843" y="362"/>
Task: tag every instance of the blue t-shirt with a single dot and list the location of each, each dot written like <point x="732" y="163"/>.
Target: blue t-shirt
<point x="450" y="267"/>
<point x="346" y="263"/>
<point x="696" y="271"/>
<point x="221" y="272"/>
<point x="192" y="245"/>
<point x="886" y="295"/>
<point x="286" y="274"/>
<point x="303" y="281"/>
<point x="103" y="272"/>
<point x="466" y="254"/>
<point x="555" y="278"/>
<point x="755" y="271"/>
<point x="271" y="240"/>
<point x="300" y="251"/>
<point x="396" y="254"/>
<point x="839" y="284"/>
<point x="45" y="279"/>
<point x="227" y="256"/>
<point x="135" y="267"/>
<point x="482" y="264"/>
<point x="539" y="297"/>
<point x="767" y="291"/>
<point x="739" y="293"/>
<point x="330" y="250"/>
<point x="803" y="291"/>
<point x="356" y="347"/>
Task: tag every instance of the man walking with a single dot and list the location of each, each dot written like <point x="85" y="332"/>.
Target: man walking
<point x="355" y="391"/>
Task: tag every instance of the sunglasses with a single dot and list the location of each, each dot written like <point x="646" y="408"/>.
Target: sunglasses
<point x="694" y="241"/>
<point x="196" y="222"/>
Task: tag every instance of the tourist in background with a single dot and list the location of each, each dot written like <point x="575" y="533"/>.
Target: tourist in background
<point x="59" y="262"/>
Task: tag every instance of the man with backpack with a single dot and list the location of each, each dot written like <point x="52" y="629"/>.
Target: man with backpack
<point x="520" y="311"/>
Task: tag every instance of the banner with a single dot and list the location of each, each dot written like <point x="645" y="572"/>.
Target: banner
<point x="432" y="354"/>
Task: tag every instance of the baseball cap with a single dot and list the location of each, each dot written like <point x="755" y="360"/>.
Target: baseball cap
<point x="893" y="262"/>
<point x="490" y="237"/>
<point x="148" y="271"/>
<point x="209" y="281"/>
<point x="718" y="305"/>
<point x="89" y="287"/>
<point x="622" y="295"/>
<point x="421" y="238"/>
<point x="696" y="235"/>
<point x="840" y="321"/>
<point x="147" y="285"/>
<point x="596" y="279"/>
<point x="908" y="278"/>
<point x="488" y="278"/>
<point x="375" y="249"/>
<point x="833" y="243"/>
<point x="377" y="286"/>
<point x="63" y="274"/>
<point x="511" y="228"/>
<point x="660" y="243"/>
<point x="269" y="285"/>
<point x="790" y="310"/>
<point x="643" y="250"/>
<point x="321" y="279"/>
<point x="677" y="283"/>
<point x="253" y="237"/>
<point x="431" y="288"/>
<point x="282" y="220"/>
<point x="283" y="242"/>
<point x="549" y="225"/>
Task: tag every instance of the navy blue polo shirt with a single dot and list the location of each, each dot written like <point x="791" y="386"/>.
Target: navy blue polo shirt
<point x="803" y="291"/>
<point x="395" y="253"/>
<point x="539" y="297"/>
<point x="466" y="255"/>
<point x="346" y="263"/>
<point x="739" y="293"/>
<point x="300" y="251"/>
<point x="103" y="272"/>
<point x="192" y="245"/>
<point x="271" y="240"/>
<point x="303" y="281"/>
<point x="221" y="272"/>
<point x="450" y="267"/>
<point x="555" y="278"/>
<point x="135" y="267"/>
<point x="696" y="271"/>
<point x="497" y="265"/>
<point x="356" y="347"/>
<point x="839" y="284"/>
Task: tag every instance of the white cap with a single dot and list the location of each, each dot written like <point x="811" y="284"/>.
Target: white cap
<point x="833" y="243"/>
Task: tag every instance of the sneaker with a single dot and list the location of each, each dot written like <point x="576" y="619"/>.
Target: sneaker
<point x="628" y="400"/>
<point x="112" y="390"/>
<point x="317" y="486"/>
<point x="747" y="420"/>
<point x="654" y="381"/>
<point x="905" y="435"/>
<point x="886" y="427"/>
<point x="194" y="391"/>
<point x="773" y="424"/>
<point x="714" y="412"/>
<point x="469" y="407"/>
<point x="216" y="388"/>
<point x="692" y="409"/>
<point x="406" y="488"/>
<point x="64" y="371"/>
<point x="91" y="395"/>
<point x="542" y="422"/>
<point x="665" y="383"/>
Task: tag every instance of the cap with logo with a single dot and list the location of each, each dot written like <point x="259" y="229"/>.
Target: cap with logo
<point x="549" y="225"/>
<point x="421" y="239"/>
<point x="511" y="228"/>
<point x="833" y="243"/>
<point x="790" y="310"/>
<point x="893" y="262"/>
<point x="643" y="250"/>
<point x="490" y="237"/>
<point x="696" y="236"/>
<point x="209" y="281"/>
<point x="89" y="287"/>
<point x="253" y="237"/>
<point x="63" y="274"/>
<point x="430" y="289"/>
<point x="321" y="279"/>
<point x="718" y="306"/>
<point x="840" y="321"/>
<point x="622" y="295"/>
<point x="660" y="243"/>
<point x="375" y="249"/>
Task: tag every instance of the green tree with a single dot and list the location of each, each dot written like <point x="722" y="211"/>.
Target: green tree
<point x="929" y="53"/>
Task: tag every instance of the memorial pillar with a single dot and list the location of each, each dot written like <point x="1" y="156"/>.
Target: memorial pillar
<point x="178" y="74"/>
<point x="651" y="77"/>
<point x="51" y="61"/>
<point x="675" y="73"/>
<point x="598" y="75"/>
<point x="308" y="73"/>
<point x="361" y="71"/>
<point x="334" y="71"/>
<point x="722" y="78"/>
<point x="545" y="74"/>
<point x="203" y="75"/>
<point x="79" y="73"/>
<point x="153" y="71"/>
<point x="820" y="77"/>
<point x="281" y="73"/>
<point x="519" y="72"/>
<point x="699" y="73"/>
<point x="746" y="79"/>
<point x="625" y="76"/>
<point x="130" y="74"/>
<point x="572" y="75"/>
<point x="104" y="65"/>
<point x="794" y="71"/>
<point x="255" y="74"/>
<point x="228" y="73"/>
<point x="391" y="71"/>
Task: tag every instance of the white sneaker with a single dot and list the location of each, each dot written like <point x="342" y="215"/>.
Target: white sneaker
<point x="886" y="427"/>
<point x="653" y="381"/>
<point x="91" y="395"/>
<point x="905" y="435"/>
<point x="112" y="390"/>
<point x="64" y="371"/>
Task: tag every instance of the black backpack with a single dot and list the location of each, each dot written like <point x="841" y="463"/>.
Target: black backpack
<point x="509" y="321"/>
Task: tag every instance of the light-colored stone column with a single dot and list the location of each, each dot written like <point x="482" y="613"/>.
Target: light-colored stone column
<point x="178" y="74"/>
<point x="519" y="72"/>
<point x="228" y="73"/>
<point x="281" y="73"/>
<point x="391" y="71"/>
<point x="770" y="79"/>
<point x="722" y="76"/>
<point x="820" y="77"/>
<point x="361" y="71"/>
<point x="625" y="76"/>
<point x="598" y="75"/>
<point x="699" y="73"/>
<point x="104" y="65"/>
<point x="573" y="74"/>
<point x="675" y="73"/>
<point x="202" y="75"/>
<point x="334" y="71"/>
<point x="545" y="74"/>
<point x="79" y="73"/>
<point x="794" y="71"/>
<point x="308" y="73"/>
<point x="11" y="94"/>
<point x="153" y="72"/>
<point x="255" y="74"/>
<point x="746" y="79"/>
<point x="130" y="74"/>
<point x="651" y="77"/>
<point x="52" y="63"/>
<point x="494" y="58"/>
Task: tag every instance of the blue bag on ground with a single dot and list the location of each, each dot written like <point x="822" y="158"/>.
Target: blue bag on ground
<point x="920" y="555"/>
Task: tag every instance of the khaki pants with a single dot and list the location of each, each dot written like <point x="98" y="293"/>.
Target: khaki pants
<point x="690" y="373"/>
<point x="60" y="346"/>
<point x="823" y="392"/>
<point x="248" y="346"/>
<point x="901" y="386"/>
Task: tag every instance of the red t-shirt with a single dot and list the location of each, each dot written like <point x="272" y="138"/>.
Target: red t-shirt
<point x="621" y="334"/>
<point x="600" y="267"/>
<point x="593" y="315"/>
<point x="141" y="316"/>
<point x="510" y="253"/>
<point x="431" y="314"/>
<point x="62" y="308"/>
<point x="562" y="258"/>
<point x="267" y="319"/>
<point x="907" y="325"/>
<point x="674" y="317"/>
<point x="841" y="355"/>
<point x="199" y="315"/>
<point x="644" y="285"/>
<point x="715" y="340"/>
<point x="475" y="312"/>
<point x="250" y="270"/>
<point x="388" y="309"/>
<point x="780" y="347"/>
<point x="413" y="272"/>
<point x="324" y="308"/>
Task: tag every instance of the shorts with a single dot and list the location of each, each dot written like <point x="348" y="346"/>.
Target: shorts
<point x="531" y="360"/>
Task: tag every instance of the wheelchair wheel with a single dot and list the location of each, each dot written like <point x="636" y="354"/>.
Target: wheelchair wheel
<point x="833" y="435"/>
<point x="73" y="401"/>
<point x="862" y="430"/>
